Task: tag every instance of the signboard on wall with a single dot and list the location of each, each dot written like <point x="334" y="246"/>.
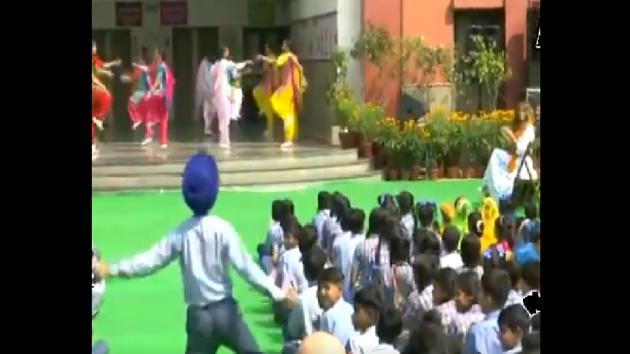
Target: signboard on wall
<point x="315" y="38"/>
<point x="173" y="13"/>
<point x="128" y="14"/>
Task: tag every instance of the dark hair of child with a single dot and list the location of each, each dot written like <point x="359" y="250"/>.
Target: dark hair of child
<point x="388" y="202"/>
<point x="330" y="275"/>
<point x="389" y="325"/>
<point x="323" y="200"/>
<point x="530" y="273"/>
<point x="514" y="317"/>
<point x="426" y="241"/>
<point x="505" y="227"/>
<point x="475" y="223"/>
<point x="506" y="206"/>
<point x="307" y="238"/>
<point x="425" y="266"/>
<point x="314" y="262"/>
<point x="291" y="227"/>
<point x="531" y="211"/>
<point x="278" y="210"/>
<point x="469" y="284"/>
<point x="428" y="338"/>
<point x="445" y="280"/>
<point x="339" y="206"/>
<point x="376" y="221"/>
<point x="405" y="202"/>
<point x="426" y="215"/>
<point x="290" y="206"/>
<point x="399" y="250"/>
<point x="370" y="299"/>
<point x="450" y="239"/>
<point x="512" y="269"/>
<point x="470" y="251"/>
<point x="353" y="221"/>
<point x="496" y="284"/>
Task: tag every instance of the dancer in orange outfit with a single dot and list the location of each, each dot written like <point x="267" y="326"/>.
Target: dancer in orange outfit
<point x="286" y="100"/>
<point x="262" y="93"/>
<point x="101" y="97"/>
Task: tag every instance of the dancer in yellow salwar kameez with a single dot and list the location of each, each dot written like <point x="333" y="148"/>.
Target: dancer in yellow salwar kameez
<point x="263" y="91"/>
<point x="286" y="100"/>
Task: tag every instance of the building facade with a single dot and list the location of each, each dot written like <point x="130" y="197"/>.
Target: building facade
<point x="186" y="30"/>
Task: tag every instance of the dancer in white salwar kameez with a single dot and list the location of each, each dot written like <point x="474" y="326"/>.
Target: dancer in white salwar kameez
<point x="503" y="166"/>
<point x="222" y="72"/>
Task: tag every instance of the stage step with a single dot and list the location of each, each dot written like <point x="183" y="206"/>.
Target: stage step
<point x="124" y="168"/>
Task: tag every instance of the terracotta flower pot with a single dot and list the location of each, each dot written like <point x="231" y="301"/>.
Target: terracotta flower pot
<point x="404" y="174"/>
<point x="454" y="172"/>
<point x="435" y="173"/>
<point x="470" y="172"/>
<point x="349" y="140"/>
<point x="392" y="173"/>
<point x="415" y="173"/>
<point x="479" y="171"/>
<point x="380" y="158"/>
<point x="365" y="149"/>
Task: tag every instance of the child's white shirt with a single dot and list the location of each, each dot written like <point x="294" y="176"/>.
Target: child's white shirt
<point x="451" y="260"/>
<point x="363" y="343"/>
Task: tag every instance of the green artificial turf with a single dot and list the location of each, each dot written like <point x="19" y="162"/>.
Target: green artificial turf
<point x="148" y="315"/>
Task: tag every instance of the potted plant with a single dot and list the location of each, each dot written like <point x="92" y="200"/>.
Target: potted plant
<point x="391" y="141"/>
<point x="437" y="132"/>
<point x="341" y="99"/>
<point x="368" y="117"/>
<point x="387" y="129"/>
<point x="412" y="147"/>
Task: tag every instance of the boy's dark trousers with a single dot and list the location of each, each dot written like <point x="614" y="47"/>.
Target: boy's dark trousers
<point x="218" y="324"/>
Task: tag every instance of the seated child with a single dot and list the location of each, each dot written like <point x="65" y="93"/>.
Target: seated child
<point x="324" y="201"/>
<point x="402" y="282"/>
<point x="530" y="252"/>
<point x="468" y="311"/>
<point x="482" y="337"/>
<point x="513" y="326"/>
<point x="388" y="330"/>
<point x="307" y="239"/>
<point x="471" y="257"/>
<point x="367" y="306"/>
<point x="530" y="278"/>
<point x="450" y="243"/>
<point x="516" y="296"/>
<point x="269" y="252"/>
<point x="425" y="267"/>
<point x="337" y="313"/>
<point x="305" y="317"/>
<point x="345" y="245"/>
<point x="405" y="203"/>
<point x="444" y="295"/>
<point x="447" y="211"/>
<point x="98" y="284"/>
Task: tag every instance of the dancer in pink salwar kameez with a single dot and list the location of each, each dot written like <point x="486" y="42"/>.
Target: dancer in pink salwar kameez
<point x="159" y="102"/>
<point x="223" y="98"/>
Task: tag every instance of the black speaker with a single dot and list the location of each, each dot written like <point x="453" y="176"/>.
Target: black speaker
<point x="412" y="107"/>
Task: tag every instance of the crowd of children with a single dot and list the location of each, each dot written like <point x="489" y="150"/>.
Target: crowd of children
<point x="421" y="279"/>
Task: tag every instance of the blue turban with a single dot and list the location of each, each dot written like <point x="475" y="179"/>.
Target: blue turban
<point x="200" y="183"/>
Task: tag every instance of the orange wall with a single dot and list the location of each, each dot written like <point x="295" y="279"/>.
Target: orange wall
<point x="383" y="88"/>
<point x="516" y="48"/>
<point x="431" y="19"/>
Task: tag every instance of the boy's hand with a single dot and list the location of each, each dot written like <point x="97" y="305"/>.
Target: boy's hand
<point x="291" y="301"/>
<point x="102" y="270"/>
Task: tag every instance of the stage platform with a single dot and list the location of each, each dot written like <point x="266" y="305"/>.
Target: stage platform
<point x="128" y="166"/>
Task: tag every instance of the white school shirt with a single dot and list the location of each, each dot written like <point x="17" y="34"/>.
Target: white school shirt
<point x="291" y="270"/>
<point x="207" y="248"/>
<point x="451" y="260"/>
<point x="318" y="222"/>
<point x="338" y="321"/>
<point x="409" y="224"/>
<point x="305" y="318"/>
<point x="344" y="247"/>
<point x="363" y="343"/>
<point x="384" y="348"/>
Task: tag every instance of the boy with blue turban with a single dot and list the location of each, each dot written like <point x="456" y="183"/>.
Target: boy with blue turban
<point x="205" y="245"/>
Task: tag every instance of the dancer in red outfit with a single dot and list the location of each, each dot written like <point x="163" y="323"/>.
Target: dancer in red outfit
<point x="101" y="97"/>
<point x="158" y="103"/>
<point x="140" y="89"/>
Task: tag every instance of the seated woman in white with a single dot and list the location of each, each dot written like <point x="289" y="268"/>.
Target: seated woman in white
<point x="503" y="166"/>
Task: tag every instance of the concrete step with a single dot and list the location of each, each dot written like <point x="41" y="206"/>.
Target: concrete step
<point x="252" y="165"/>
<point x="242" y="178"/>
